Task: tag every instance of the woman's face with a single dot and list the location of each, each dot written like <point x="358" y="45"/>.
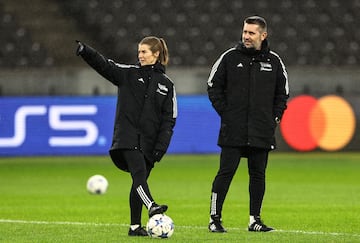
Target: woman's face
<point x="146" y="56"/>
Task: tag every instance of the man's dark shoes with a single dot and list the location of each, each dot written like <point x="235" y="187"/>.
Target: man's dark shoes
<point x="215" y="225"/>
<point x="259" y="226"/>
<point x="139" y="231"/>
<point x="157" y="209"/>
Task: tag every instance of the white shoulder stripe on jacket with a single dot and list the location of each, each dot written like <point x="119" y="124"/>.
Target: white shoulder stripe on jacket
<point x="284" y="72"/>
<point x="123" y="65"/>
<point x="175" y="109"/>
<point x="215" y="67"/>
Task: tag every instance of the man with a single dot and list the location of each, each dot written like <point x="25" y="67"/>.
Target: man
<point x="248" y="88"/>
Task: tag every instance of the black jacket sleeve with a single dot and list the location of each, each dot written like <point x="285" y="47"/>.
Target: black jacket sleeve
<point x="216" y="86"/>
<point x="168" y="119"/>
<point x="105" y="67"/>
<point x="281" y="92"/>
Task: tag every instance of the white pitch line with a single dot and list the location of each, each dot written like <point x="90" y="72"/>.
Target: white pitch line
<point x="59" y="223"/>
<point x="15" y="221"/>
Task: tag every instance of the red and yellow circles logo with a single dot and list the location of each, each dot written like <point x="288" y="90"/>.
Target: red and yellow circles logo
<point x="327" y="123"/>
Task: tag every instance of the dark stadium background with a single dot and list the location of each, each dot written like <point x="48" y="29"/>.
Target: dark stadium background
<point x="317" y="40"/>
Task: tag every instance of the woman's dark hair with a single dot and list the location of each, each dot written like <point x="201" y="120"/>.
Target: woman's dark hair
<point x="157" y="44"/>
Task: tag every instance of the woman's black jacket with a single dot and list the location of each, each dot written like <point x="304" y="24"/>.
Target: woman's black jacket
<point x="146" y="108"/>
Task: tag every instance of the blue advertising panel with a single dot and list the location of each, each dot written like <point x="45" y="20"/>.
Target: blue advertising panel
<point x="59" y="125"/>
<point x="84" y="125"/>
<point x="197" y="126"/>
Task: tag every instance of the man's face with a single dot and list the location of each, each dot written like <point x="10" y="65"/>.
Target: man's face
<point x="252" y="37"/>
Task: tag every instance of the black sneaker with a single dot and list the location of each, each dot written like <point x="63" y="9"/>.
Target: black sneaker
<point x="139" y="231"/>
<point x="216" y="225"/>
<point x="259" y="226"/>
<point x="157" y="209"/>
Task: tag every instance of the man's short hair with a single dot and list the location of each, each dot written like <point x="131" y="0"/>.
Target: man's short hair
<point x="257" y="20"/>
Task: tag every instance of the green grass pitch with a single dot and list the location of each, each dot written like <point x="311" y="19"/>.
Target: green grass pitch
<point x="310" y="197"/>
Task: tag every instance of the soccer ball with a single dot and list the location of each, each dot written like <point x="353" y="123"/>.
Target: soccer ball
<point x="160" y="226"/>
<point x="97" y="184"/>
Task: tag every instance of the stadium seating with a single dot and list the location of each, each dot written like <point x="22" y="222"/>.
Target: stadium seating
<point x="303" y="32"/>
<point x="16" y="46"/>
<point x="309" y="32"/>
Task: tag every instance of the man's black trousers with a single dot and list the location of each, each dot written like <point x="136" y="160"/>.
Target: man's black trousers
<point x="229" y="162"/>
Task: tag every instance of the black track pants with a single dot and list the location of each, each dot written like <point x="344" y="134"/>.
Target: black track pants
<point x="229" y="162"/>
<point x="139" y="194"/>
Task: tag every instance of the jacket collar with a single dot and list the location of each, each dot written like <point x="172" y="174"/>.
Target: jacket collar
<point x="157" y="67"/>
<point x="251" y="51"/>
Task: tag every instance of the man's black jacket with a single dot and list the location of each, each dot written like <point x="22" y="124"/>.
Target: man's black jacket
<point x="248" y="89"/>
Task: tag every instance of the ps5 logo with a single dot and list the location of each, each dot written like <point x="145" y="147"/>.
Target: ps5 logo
<point x="55" y="114"/>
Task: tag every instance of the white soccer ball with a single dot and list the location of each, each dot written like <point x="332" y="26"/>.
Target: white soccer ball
<point x="97" y="184"/>
<point x="160" y="226"/>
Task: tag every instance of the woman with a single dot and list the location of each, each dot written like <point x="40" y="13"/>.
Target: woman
<point x="145" y="117"/>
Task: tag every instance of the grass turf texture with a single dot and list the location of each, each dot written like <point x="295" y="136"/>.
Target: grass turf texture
<point x="310" y="197"/>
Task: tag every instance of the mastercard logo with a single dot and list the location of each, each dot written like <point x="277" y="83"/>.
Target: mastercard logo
<point x="327" y="123"/>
